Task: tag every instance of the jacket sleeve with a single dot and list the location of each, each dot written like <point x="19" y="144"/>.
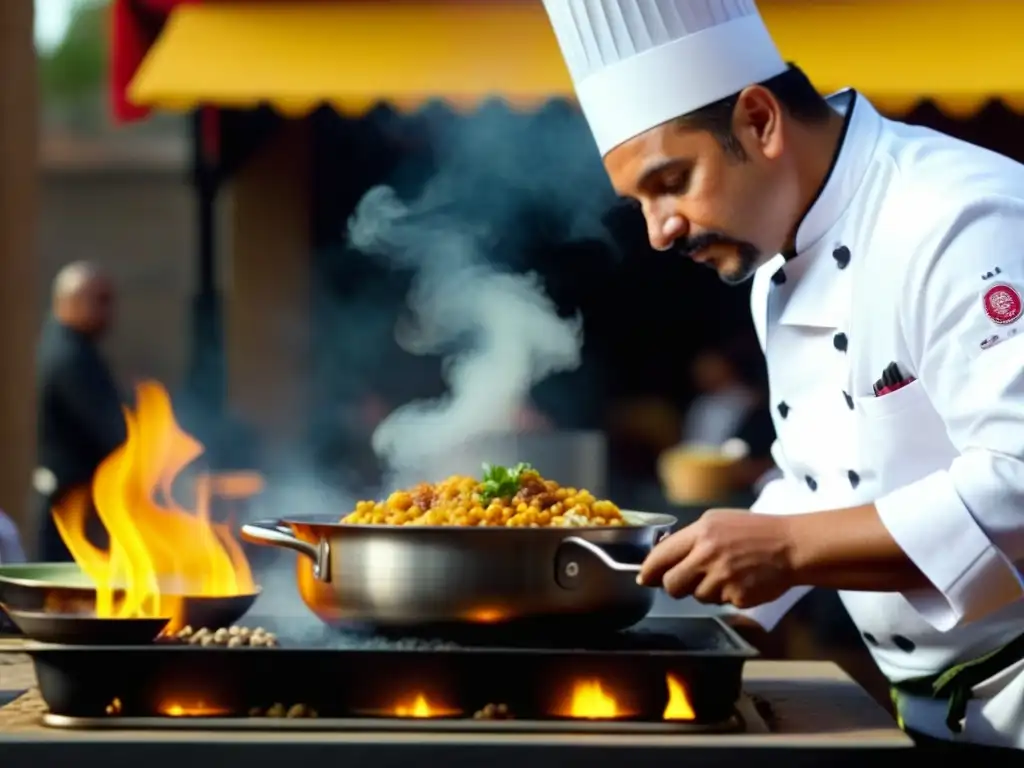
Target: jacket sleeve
<point x="778" y="497"/>
<point x="962" y="320"/>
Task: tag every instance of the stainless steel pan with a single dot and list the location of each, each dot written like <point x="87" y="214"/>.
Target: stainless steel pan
<point x="407" y="577"/>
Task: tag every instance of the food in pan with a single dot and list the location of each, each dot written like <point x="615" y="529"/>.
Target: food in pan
<point x="512" y="497"/>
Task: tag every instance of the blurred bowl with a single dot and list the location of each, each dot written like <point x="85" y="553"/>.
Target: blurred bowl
<point x="63" y="588"/>
<point x="697" y="474"/>
<point x="73" y="629"/>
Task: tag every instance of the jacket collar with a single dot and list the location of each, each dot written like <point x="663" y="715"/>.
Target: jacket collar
<point x="861" y="131"/>
<point x="816" y="288"/>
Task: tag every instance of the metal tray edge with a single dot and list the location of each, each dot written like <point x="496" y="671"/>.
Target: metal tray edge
<point x="736" y="724"/>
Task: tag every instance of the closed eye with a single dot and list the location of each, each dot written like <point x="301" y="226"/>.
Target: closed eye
<point x="667" y="178"/>
<point x="673" y="184"/>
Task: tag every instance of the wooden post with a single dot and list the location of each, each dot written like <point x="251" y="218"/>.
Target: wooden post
<point x="267" y="304"/>
<point x="19" y="289"/>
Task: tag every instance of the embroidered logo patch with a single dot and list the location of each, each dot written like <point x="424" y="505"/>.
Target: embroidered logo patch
<point x="1003" y="304"/>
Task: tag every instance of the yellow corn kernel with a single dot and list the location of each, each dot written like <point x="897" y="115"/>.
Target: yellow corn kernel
<point x="400" y="500"/>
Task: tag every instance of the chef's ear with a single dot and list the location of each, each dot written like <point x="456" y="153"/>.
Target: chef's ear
<point x="757" y="121"/>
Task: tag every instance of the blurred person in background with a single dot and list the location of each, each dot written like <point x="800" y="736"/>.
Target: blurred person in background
<point x="80" y="420"/>
<point x="10" y="542"/>
<point x="732" y="405"/>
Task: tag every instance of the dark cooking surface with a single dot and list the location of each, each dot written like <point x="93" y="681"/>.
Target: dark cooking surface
<point x="691" y="635"/>
<point x="350" y="674"/>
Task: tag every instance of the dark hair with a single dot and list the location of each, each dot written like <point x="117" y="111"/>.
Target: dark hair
<point x="794" y="90"/>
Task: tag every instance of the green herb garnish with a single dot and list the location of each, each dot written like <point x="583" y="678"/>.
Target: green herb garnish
<point x="502" y="482"/>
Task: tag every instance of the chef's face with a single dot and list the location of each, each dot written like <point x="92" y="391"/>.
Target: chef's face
<point x="729" y="207"/>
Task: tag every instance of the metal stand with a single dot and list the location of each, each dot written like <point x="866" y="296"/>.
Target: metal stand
<point x="205" y="383"/>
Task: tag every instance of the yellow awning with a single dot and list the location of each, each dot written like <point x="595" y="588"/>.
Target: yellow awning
<point x="351" y="55"/>
<point x="298" y="55"/>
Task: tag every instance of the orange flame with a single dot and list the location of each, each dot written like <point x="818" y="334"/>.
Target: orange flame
<point x="589" y="701"/>
<point x="486" y="615"/>
<point x="191" y="709"/>
<point x="679" y="706"/>
<point x="421" y="707"/>
<point x="159" y="551"/>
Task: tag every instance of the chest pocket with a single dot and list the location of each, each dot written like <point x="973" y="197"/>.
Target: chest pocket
<point x="901" y="438"/>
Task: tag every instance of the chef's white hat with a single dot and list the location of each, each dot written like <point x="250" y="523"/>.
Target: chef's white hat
<point x="639" y="63"/>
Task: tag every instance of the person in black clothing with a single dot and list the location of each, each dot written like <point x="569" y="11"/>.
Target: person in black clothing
<point x="80" y="420"/>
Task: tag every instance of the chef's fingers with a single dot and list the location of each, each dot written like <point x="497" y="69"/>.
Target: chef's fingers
<point x="710" y="591"/>
<point x="665" y="555"/>
<point x="684" y="578"/>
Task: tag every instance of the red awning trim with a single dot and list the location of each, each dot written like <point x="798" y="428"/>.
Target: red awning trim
<point x="128" y="46"/>
<point x="135" y="26"/>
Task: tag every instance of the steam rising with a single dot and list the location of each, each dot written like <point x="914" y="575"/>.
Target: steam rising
<point x="499" y="333"/>
<point x="503" y="182"/>
<point x="510" y="332"/>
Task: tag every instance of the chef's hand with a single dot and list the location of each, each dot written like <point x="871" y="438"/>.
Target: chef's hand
<point x="727" y="556"/>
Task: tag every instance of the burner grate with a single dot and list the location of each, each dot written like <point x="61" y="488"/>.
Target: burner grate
<point x="693" y="635"/>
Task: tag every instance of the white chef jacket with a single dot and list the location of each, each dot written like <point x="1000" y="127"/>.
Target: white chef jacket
<point x="913" y="253"/>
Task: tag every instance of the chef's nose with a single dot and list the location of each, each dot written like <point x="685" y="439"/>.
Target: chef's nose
<point x="664" y="231"/>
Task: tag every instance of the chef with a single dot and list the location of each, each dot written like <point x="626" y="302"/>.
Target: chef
<point x="888" y="268"/>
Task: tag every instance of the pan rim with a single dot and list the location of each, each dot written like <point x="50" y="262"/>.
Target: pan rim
<point x="91" y="587"/>
<point x="651" y="520"/>
<point x="16" y="613"/>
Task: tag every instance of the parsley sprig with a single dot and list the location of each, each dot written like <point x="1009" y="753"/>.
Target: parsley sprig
<point x="502" y="482"/>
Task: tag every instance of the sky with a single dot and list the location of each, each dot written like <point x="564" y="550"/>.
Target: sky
<point x="51" y="20"/>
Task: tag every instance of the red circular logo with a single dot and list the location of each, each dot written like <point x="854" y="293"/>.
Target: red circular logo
<point x="1003" y="304"/>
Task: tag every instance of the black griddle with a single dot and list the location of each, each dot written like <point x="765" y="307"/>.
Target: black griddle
<point x="355" y="677"/>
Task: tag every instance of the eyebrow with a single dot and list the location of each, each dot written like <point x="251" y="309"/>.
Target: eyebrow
<point x="660" y="167"/>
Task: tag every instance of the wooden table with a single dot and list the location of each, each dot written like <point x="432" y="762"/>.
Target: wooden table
<point x="820" y="716"/>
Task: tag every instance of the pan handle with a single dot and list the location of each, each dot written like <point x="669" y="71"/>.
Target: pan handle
<point x="568" y="569"/>
<point x="276" y="534"/>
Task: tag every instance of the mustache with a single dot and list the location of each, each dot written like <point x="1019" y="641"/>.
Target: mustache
<point x="694" y="245"/>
